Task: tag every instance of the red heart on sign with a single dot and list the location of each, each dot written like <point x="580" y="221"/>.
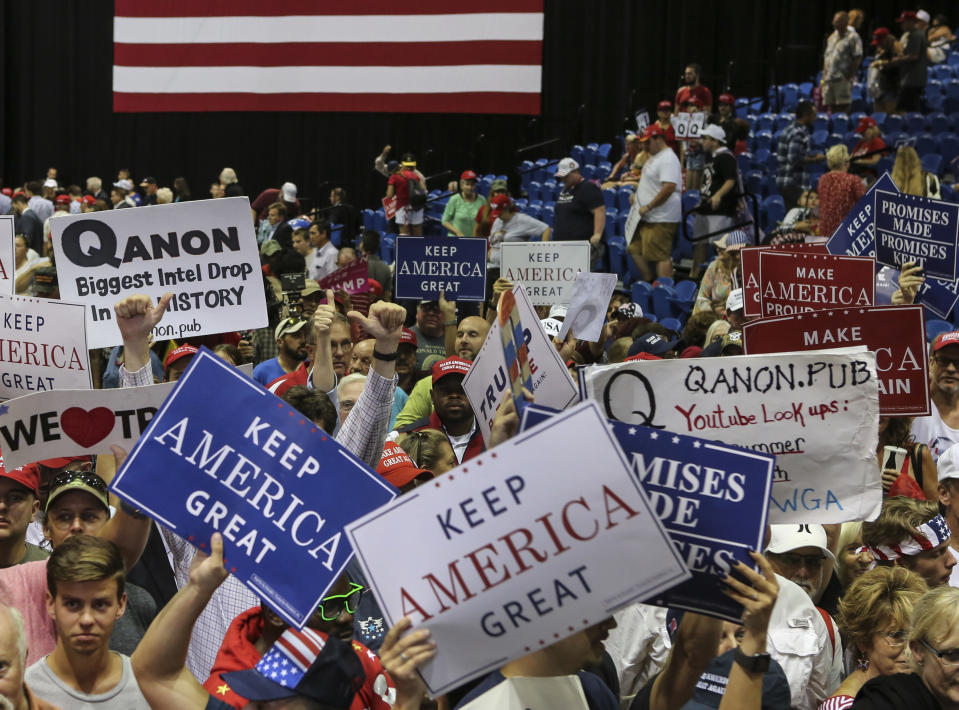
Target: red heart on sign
<point x="87" y="428"/>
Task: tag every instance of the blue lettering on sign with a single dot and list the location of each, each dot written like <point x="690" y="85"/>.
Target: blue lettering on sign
<point x="455" y="266"/>
<point x="855" y="235"/>
<point x="807" y="499"/>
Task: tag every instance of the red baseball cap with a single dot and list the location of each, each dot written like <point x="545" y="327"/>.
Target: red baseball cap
<point x="906" y="15"/>
<point x="397" y="467"/>
<point x="468" y="175"/>
<point x="664" y="104"/>
<point x="64" y="461"/>
<point x="499" y="203"/>
<point x="864" y="123"/>
<point x="878" y="34"/>
<point x="7" y="191"/>
<point x="376" y="288"/>
<point x="182" y="351"/>
<point x="26" y="476"/>
<point x="941" y="341"/>
<point x="62" y="200"/>
<point x="450" y="366"/>
<point x="408" y="337"/>
<point x="727" y="99"/>
<point x="88" y="199"/>
<point x="653" y="129"/>
<point x="642" y="356"/>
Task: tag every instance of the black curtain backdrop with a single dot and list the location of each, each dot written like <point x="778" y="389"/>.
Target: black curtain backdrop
<point x="602" y="60"/>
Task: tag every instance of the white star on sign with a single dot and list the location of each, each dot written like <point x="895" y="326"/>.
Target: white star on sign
<point x="675" y="439"/>
<point x="697" y="444"/>
<point x="653" y="435"/>
<point x="632" y="431"/>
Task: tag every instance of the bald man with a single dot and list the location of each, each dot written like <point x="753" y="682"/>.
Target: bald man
<point x="470" y="335"/>
<point x="13" y="663"/>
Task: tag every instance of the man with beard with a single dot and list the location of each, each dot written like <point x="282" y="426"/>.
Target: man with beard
<point x="430" y="331"/>
<point x="940" y="430"/>
<point x="452" y="412"/>
<point x="798" y="553"/>
<point x="290" y="341"/>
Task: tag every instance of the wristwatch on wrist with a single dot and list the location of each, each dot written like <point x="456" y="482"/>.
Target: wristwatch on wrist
<point x="758" y="663"/>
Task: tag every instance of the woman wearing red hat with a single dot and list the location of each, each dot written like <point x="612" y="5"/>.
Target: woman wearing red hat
<point x="459" y="217"/>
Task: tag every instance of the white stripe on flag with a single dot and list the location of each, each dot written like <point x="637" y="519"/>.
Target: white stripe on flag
<point x="306" y="654"/>
<point x="337" y="80"/>
<point x="330" y="28"/>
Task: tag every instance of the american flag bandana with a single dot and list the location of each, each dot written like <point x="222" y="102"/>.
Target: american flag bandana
<point x="927" y="536"/>
<point x="290" y="657"/>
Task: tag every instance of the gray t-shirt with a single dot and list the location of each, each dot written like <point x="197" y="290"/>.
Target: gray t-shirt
<point x="125" y="695"/>
<point x="520" y="228"/>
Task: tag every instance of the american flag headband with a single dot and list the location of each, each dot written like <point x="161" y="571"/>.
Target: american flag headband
<point x="927" y="536"/>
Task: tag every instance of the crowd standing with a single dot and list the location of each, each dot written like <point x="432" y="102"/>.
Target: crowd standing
<point x="100" y="607"/>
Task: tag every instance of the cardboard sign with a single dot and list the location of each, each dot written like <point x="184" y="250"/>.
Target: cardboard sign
<point x="8" y="259"/>
<point x="522" y="693"/>
<point x="389" y="207"/>
<point x="749" y="269"/>
<point x="587" y="310"/>
<point x="204" y="252"/>
<point x="919" y="229"/>
<point x="896" y="334"/>
<point x="354" y="279"/>
<point x="712" y="499"/>
<point x="47" y="425"/>
<point x="801" y="282"/>
<point x="547" y="270"/>
<point x="427" y="265"/>
<point x="488" y="379"/>
<point x="642" y="122"/>
<point x="234" y="458"/>
<point x="856" y="235"/>
<point x="518" y="548"/>
<point x="43" y="346"/>
<point x="817" y="412"/>
<point x="632" y="222"/>
<point x="688" y="126"/>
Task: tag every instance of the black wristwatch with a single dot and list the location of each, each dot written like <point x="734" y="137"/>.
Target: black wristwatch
<point x="384" y="356"/>
<point x="758" y="663"/>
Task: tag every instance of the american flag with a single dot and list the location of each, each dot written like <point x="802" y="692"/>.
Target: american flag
<point x="303" y="55"/>
<point x="290" y="657"/>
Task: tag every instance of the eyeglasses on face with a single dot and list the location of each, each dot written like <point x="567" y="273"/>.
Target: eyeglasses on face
<point x="945" y="362"/>
<point x="791" y="559"/>
<point x="332" y="606"/>
<point x="948" y="658"/>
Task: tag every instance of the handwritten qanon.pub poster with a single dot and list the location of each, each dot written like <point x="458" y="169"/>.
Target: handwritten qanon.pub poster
<point x="817" y="412"/>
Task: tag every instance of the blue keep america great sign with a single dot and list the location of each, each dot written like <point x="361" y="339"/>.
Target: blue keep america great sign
<point x="224" y="455"/>
<point x="425" y="266"/>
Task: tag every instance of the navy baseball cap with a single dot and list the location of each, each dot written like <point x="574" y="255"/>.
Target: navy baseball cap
<point x="712" y="684"/>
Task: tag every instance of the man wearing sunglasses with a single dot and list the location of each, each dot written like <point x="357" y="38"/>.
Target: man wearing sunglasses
<point x="940" y="430"/>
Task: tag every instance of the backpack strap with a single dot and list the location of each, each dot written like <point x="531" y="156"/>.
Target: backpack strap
<point x="827" y="619"/>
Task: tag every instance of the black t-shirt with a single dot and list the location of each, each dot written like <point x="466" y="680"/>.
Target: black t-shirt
<point x="895" y="692"/>
<point x="721" y="168"/>
<point x="573" y="211"/>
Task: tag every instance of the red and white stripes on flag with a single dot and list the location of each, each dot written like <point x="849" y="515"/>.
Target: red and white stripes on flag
<point x="307" y="55"/>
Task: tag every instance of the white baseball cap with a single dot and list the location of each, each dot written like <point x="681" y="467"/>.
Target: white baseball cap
<point x="566" y="166"/>
<point x="288" y="190"/>
<point x="558" y="310"/>
<point x="50" y="182"/>
<point x="715" y="132"/>
<point x="923" y="16"/>
<point x="948" y="463"/>
<point x="735" y="302"/>
<point x="786" y="538"/>
<point x="124" y="185"/>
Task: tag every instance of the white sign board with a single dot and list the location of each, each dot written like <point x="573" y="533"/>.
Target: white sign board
<point x="488" y="380"/>
<point x="48" y="425"/>
<point x="817" y="411"/>
<point x="8" y="260"/>
<point x="547" y="270"/>
<point x="204" y="252"/>
<point x="587" y="310"/>
<point x="518" y="548"/>
<point x="43" y="346"/>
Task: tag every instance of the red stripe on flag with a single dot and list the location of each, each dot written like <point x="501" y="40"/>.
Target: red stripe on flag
<point x="243" y="54"/>
<point x="470" y="102"/>
<point x="278" y="8"/>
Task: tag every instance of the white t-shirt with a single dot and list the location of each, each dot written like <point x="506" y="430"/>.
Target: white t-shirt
<point x="520" y="228"/>
<point x="125" y="695"/>
<point x="934" y="433"/>
<point x="324" y="261"/>
<point x="662" y="167"/>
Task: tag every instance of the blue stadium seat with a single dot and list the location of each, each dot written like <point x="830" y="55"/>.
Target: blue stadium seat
<point x="578" y="153"/>
<point x="949" y="146"/>
<point x="592" y="153"/>
<point x="840" y="123"/>
<point x="753" y="181"/>
<point x="686" y="291"/>
<point x="941" y="72"/>
<point x="534" y="191"/>
<point x="380" y="223"/>
<point x="821" y="123"/>
<point x="951" y="105"/>
<point x="617" y="255"/>
<point x="547" y="214"/>
<point x="761" y="158"/>
<point x="851" y="139"/>
<point x="672" y="324"/>
<point x="926" y="144"/>
<point x="834" y="139"/>
<point x="854" y="118"/>
<point x="604" y="149"/>
<point x="368" y="218"/>
<point x="790" y="96"/>
<point x="641" y="292"/>
<point x="889" y="124"/>
<point x="662" y="294"/>
<point x="609" y="198"/>
<point x="622" y="198"/>
<point x="935" y="326"/>
<point x="939" y="123"/>
<point x="932" y="163"/>
<point x="620" y="229"/>
<point x="953" y="59"/>
<point x="387" y="247"/>
<point x="915" y="123"/>
<point x="819" y="139"/>
<point x="764" y="139"/>
<point x="884" y="165"/>
<point x="952" y="88"/>
<point x="767" y="122"/>
<point x="611" y="222"/>
<point x="936" y="102"/>
<point x="805" y="89"/>
<point x="745" y="161"/>
<point x="690" y="199"/>
<point x="551" y="188"/>
<point x="742" y="108"/>
<point x="604" y="169"/>
<point x="784" y="119"/>
<point x="947" y="193"/>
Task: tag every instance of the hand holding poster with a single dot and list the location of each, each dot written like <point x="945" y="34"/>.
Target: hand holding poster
<point x="204" y="252"/>
<point x="425" y="266"/>
<point x="712" y="499"/>
<point x="235" y="459"/>
<point x="817" y="412"/>
<point x="517" y="548"/>
<point x="488" y="379"/>
<point x="917" y="229"/>
<point x="547" y="270"/>
<point x="43" y="346"/>
<point x="8" y="260"/>
<point x="896" y="334"/>
<point x="800" y="282"/>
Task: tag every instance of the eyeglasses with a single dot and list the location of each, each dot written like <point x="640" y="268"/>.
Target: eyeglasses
<point x="331" y="607"/>
<point x="945" y="362"/>
<point x="948" y="659"/>
<point x="895" y="639"/>
<point x="791" y="559"/>
<point x="86" y="477"/>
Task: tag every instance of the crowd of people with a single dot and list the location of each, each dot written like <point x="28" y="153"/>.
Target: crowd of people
<point x="101" y="607"/>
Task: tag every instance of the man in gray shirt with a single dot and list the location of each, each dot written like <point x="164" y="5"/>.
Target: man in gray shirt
<point x="85" y="577"/>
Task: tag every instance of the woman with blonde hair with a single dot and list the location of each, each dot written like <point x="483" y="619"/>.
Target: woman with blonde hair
<point x="852" y="560"/>
<point x="722" y="274"/>
<point x="838" y="190"/>
<point x="874" y="618"/>
<point x="909" y="176"/>
<point x="934" y="646"/>
<point x="430" y="449"/>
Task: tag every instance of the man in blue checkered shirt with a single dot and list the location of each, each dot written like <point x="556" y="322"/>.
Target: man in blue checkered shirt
<point x="792" y="155"/>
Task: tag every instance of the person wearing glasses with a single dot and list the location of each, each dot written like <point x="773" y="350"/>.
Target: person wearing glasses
<point x="940" y="429"/>
<point x="874" y="617"/>
<point x="933" y="683"/>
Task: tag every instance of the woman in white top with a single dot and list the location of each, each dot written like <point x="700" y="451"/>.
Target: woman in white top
<point x="511" y="225"/>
